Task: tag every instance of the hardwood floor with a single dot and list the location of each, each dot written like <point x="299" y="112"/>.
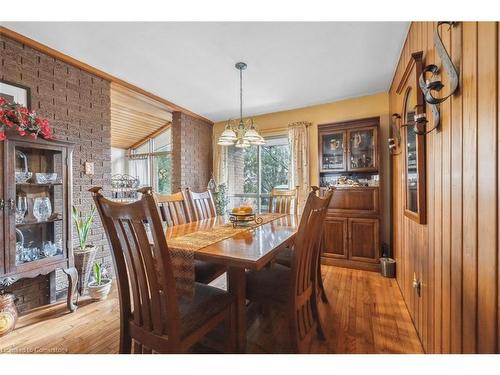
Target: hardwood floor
<point x="366" y="314"/>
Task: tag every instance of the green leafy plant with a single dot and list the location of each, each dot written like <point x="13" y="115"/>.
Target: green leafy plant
<point x="97" y="271"/>
<point x="221" y="199"/>
<point x="83" y="224"/>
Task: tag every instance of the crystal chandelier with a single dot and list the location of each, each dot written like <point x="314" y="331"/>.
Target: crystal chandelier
<point x="242" y="134"/>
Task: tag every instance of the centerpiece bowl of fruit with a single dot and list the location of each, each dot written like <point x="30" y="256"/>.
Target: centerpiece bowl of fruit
<point x="243" y="215"/>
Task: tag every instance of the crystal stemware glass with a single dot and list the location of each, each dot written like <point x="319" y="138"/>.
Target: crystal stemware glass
<point x="42" y="209"/>
<point x="21" y="208"/>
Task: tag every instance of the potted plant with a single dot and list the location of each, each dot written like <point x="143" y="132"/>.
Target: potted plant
<point x="85" y="253"/>
<point x="221" y="199"/>
<point x="99" y="288"/>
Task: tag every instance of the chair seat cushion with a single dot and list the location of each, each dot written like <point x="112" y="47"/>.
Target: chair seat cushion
<point x="284" y="257"/>
<point x="206" y="302"/>
<point x="206" y="272"/>
<point x="269" y="284"/>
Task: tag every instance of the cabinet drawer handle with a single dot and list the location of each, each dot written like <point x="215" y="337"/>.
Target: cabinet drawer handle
<point x="2" y="204"/>
<point x="11" y="204"/>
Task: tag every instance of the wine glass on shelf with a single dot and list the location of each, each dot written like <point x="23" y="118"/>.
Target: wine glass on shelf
<point x="21" y="208"/>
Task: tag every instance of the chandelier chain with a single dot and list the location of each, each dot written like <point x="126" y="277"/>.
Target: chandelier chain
<point x="241" y="95"/>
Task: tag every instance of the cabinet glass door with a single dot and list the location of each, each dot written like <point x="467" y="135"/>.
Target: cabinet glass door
<point x="332" y="151"/>
<point x="362" y="149"/>
<point x="37" y="213"/>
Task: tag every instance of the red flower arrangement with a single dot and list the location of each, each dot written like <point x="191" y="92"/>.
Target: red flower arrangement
<point x="20" y="118"/>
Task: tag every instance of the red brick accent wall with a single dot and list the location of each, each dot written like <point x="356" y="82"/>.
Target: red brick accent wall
<point x="191" y="152"/>
<point x="78" y="107"/>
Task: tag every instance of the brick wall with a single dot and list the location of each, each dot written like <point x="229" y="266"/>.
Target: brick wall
<point x="191" y="152"/>
<point x="78" y="107"/>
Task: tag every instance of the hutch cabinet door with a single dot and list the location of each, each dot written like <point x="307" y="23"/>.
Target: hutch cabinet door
<point x="335" y="237"/>
<point x="36" y="187"/>
<point x="364" y="241"/>
<point x="362" y="149"/>
<point x="333" y="151"/>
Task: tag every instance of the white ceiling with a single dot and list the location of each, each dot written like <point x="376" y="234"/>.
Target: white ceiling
<point x="290" y="65"/>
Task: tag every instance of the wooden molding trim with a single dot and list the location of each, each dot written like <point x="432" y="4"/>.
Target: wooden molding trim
<point x="367" y="121"/>
<point x="415" y="56"/>
<point x="90" y="69"/>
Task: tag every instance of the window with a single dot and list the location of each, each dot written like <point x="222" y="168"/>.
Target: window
<point x="254" y="171"/>
<point x="152" y="163"/>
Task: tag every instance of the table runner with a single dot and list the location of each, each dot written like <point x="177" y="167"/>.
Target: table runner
<point x="182" y="249"/>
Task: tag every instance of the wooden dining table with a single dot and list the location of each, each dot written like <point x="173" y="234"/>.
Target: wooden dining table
<point x="252" y="249"/>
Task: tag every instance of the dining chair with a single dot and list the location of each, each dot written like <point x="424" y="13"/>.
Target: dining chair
<point x="293" y="289"/>
<point x="153" y="318"/>
<point x="174" y="209"/>
<point x="285" y="259"/>
<point x="202" y="204"/>
<point x="281" y="201"/>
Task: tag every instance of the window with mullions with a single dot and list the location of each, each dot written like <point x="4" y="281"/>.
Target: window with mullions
<point x="152" y="163"/>
<point x="263" y="168"/>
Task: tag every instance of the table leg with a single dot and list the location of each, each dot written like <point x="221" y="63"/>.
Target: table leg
<point x="237" y="287"/>
<point x="72" y="274"/>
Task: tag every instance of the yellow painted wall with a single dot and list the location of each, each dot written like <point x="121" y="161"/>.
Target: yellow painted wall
<point x="343" y="110"/>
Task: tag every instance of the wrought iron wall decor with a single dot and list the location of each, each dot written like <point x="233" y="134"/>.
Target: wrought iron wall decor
<point x="418" y="124"/>
<point x="434" y="84"/>
<point x="428" y="87"/>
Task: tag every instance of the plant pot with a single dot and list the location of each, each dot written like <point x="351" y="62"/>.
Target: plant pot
<point x="99" y="292"/>
<point x="84" y="259"/>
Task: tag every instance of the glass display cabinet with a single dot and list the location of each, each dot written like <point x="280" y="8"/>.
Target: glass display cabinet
<point x="349" y="163"/>
<point x="358" y="155"/>
<point x="333" y="156"/>
<point x="36" y="202"/>
<point x="362" y="149"/>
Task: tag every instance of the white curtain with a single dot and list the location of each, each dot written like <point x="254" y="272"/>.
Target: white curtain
<point x="220" y="165"/>
<point x="298" y="173"/>
<point x="139" y="167"/>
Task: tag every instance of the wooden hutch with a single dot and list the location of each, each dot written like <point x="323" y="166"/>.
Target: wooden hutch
<point x="349" y="152"/>
<point x="35" y="211"/>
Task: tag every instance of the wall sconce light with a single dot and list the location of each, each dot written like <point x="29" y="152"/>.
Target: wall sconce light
<point x="395" y="141"/>
<point x="418" y="124"/>
<point x="434" y="84"/>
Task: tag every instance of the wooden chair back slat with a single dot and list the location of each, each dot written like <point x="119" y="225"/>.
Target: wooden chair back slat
<point x="129" y="247"/>
<point x="174" y="208"/>
<point x="153" y="287"/>
<point x="304" y="269"/>
<point x="148" y="298"/>
<point x="202" y="204"/>
<point x="281" y="201"/>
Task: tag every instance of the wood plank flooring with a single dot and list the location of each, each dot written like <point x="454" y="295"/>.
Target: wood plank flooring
<point x="366" y="314"/>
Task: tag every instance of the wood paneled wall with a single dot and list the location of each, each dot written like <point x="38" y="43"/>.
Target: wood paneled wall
<point x="456" y="254"/>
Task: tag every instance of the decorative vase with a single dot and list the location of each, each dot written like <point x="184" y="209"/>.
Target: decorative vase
<point x="42" y="208"/>
<point x="8" y="313"/>
<point x="100" y="292"/>
<point x="84" y="259"/>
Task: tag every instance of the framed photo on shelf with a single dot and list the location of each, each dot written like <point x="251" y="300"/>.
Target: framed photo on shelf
<point x="14" y="93"/>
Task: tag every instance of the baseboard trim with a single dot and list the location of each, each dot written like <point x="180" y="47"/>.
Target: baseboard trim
<point x="347" y="263"/>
